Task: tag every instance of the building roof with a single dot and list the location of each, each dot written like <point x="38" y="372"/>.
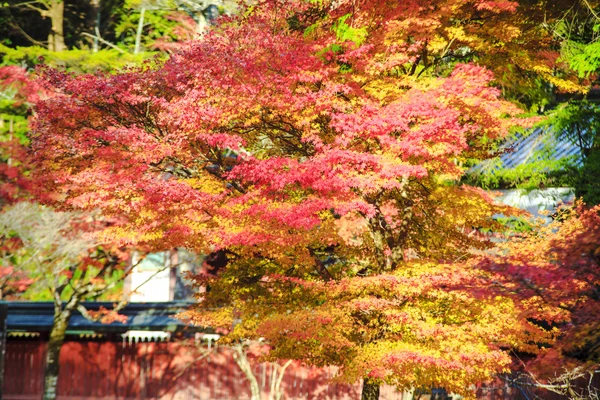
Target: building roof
<point x="531" y="147"/>
<point x="38" y="317"/>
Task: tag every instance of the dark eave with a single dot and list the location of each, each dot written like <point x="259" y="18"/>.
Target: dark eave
<point x="38" y="317"/>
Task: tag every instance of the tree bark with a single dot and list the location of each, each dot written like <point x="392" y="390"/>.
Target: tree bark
<point x="140" y="30"/>
<point x="57" y="337"/>
<point x="201" y="24"/>
<point x="56" y="38"/>
<point x="242" y="361"/>
<point x="370" y="390"/>
<point x="96" y="24"/>
<point x="276" y="379"/>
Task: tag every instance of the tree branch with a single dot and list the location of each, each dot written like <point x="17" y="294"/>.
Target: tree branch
<point x="32" y="40"/>
<point x="106" y="42"/>
<point x="320" y="267"/>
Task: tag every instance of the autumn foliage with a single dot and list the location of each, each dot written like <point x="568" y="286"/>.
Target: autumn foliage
<point x="20" y="93"/>
<point x="319" y="147"/>
<point x="554" y="270"/>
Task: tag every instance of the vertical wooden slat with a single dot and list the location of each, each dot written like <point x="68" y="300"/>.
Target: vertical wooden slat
<point x="161" y="368"/>
<point x="3" y="333"/>
<point x="119" y="368"/>
<point x="7" y="384"/>
<point x="125" y="370"/>
<point x="149" y="394"/>
<point x="121" y="376"/>
<point x="107" y="382"/>
<point x="64" y="386"/>
<point x="200" y="381"/>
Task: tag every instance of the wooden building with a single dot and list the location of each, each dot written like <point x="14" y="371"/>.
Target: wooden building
<point x="151" y="356"/>
<point x="155" y="356"/>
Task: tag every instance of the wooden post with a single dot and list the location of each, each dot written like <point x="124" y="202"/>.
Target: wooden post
<point x="3" y="333"/>
<point x="173" y="261"/>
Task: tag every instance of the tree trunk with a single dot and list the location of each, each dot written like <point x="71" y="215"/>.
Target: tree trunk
<point x="56" y="38"/>
<point x="370" y="390"/>
<point x="96" y="24"/>
<point x="57" y="337"/>
<point x="276" y="379"/>
<point x="140" y="30"/>
<point x="242" y="361"/>
<point x="201" y="24"/>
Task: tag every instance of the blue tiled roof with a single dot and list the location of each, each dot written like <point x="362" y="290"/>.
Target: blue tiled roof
<point x="527" y="148"/>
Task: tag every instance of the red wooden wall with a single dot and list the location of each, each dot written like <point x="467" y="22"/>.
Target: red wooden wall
<point x="171" y="370"/>
<point x="163" y="370"/>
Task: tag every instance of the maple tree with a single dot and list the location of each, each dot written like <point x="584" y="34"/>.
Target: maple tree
<point x="315" y="151"/>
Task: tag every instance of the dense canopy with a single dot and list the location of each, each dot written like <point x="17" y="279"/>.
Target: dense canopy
<point x="315" y="151"/>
